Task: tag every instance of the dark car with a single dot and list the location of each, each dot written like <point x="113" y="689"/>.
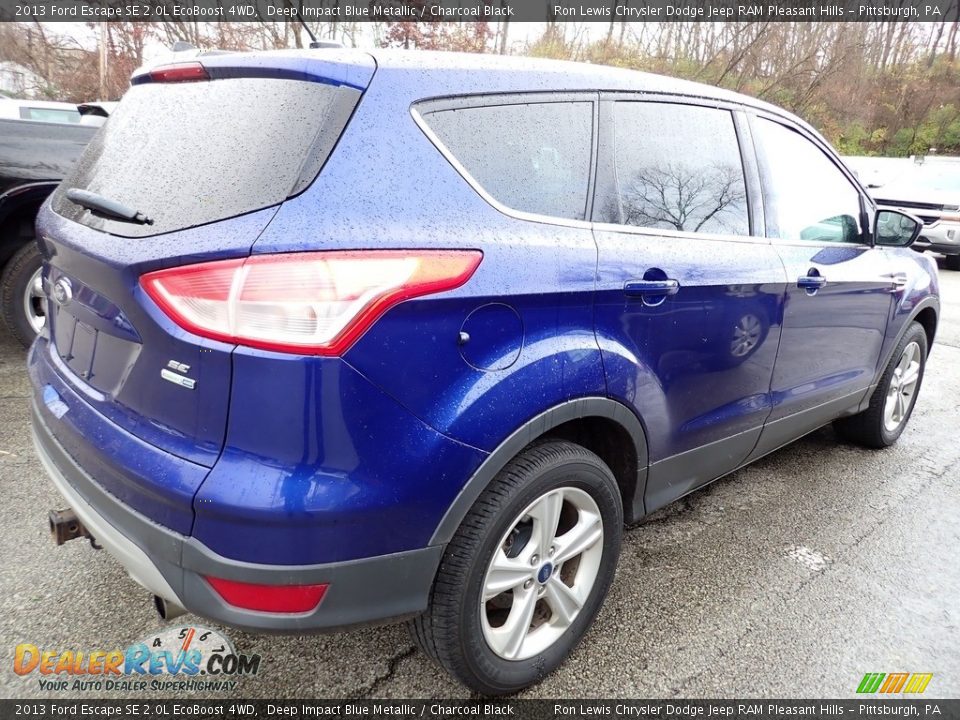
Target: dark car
<point x="413" y="336"/>
<point x="39" y="144"/>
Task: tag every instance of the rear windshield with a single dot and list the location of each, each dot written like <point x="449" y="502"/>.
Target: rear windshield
<point x="185" y="154"/>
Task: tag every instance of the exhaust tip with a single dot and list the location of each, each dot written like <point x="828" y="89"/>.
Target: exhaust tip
<point x="167" y="610"/>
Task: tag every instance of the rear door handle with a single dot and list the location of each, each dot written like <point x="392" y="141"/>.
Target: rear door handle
<point x="811" y="282"/>
<point x="650" y="288"/>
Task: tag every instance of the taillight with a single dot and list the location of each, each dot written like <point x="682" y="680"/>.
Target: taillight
<point x="315" y="303"/>
<point x="269" y="598"/>
<point x="182" y="72"/>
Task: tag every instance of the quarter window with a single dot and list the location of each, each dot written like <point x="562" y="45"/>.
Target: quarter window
<point x="806" y="196"/>
<point x="533" y="157"/>
<point x="677" y="167"/>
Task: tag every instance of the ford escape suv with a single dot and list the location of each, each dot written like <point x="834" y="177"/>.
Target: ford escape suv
<point x="338" y="337"/>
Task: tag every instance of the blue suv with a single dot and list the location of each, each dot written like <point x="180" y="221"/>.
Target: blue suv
<point x="340" y="337"/>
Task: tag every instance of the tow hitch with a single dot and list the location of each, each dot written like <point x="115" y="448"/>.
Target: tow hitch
<point x="66" y="526"/>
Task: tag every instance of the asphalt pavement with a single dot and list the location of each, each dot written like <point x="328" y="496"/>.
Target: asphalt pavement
<point x="791" y="578"/>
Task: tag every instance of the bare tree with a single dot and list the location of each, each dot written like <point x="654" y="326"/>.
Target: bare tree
<point x="681" y="197"/>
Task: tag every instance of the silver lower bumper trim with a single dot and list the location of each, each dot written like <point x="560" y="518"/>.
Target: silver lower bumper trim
<point x="127" y="553"/>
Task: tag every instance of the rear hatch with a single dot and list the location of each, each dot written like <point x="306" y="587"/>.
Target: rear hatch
<point x="207" y="153"/>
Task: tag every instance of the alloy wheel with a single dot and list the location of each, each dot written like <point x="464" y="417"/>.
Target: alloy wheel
<point x="903" y="386"/>
<point x="541" y="573"/>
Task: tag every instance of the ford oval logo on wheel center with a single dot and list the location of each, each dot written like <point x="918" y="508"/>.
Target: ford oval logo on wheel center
<point x="545" y="572"/>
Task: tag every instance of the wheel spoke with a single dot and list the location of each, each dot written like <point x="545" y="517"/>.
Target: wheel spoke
<point x="901" y="407"/>
<point x="889" y="407"/>
<point x="909" y="355"/>
<point x="910" y="377"/>
<point x="563" y="601"/>
<point x="504" y="574"/>
<point x="509" y="637"/>
<point x="546" y="516"/>
<point x="581" y="537"/>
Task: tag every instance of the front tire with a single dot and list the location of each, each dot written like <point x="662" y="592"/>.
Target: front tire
<point x="882" y="423"/>
<point x="527" y="571"/>
<point x="21" y="293"/>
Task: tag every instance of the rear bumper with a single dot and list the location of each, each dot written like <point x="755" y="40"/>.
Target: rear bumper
<point x="173" y="566"/>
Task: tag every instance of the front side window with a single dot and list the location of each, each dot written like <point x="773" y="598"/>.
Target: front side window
<point x="532" y="157"/>
<point x="806" y="196"/>
<point x="677" y="167"/>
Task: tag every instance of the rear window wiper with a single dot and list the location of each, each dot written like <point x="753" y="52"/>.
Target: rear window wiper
<point x="106" y="206"/>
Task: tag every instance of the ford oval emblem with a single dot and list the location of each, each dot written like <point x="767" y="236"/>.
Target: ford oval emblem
<point x="62" y="291"/>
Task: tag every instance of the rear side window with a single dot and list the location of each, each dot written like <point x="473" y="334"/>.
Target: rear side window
<point x="191" y="153"/>
<point x="807" y="196"/>
<point x="676" y="167"/>
<point x="533" y="157"/>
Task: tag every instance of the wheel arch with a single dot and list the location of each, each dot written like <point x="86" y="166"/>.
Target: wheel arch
<point x="927" y="313"/>
<point x="928" y="318"/>
<point x="602" y="425"/>
<point x="15" y="204"/>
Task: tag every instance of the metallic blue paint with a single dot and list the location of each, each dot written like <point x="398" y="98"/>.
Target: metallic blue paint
<point x="335" y="470"/>
<point x="151" y="480"/>
<point x="674" y="362"/>
<point x="831" y="340"/>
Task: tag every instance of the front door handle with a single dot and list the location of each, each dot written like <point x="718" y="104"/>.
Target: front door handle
<point x="898" y="281"/>
<point x="812" y="281"/>
<point x="650" y="288"/>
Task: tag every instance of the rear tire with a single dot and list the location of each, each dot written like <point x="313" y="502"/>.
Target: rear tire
<point x="505" y="547"/>
<point x="23" y="308"/>
<point x="882" y="423"/>
<point x="952" y="262"/>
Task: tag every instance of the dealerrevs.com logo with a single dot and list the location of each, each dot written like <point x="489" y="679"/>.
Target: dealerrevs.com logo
<point x="175" y="659"/>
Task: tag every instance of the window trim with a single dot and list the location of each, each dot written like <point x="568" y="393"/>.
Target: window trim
<point x="420" y="110"/>
<point x="864" y="201"/>
<point x="748" y="162"/>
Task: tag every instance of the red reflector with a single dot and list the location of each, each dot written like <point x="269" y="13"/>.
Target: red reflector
<point x="269" y="598"/>
<point x="184" y="72"/>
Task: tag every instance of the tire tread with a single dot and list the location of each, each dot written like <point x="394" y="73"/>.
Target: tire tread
<point x="15" y="273"/>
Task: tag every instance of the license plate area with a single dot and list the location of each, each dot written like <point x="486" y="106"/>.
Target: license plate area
<point x="94" y="340"/>
<point x="76" y="343"/>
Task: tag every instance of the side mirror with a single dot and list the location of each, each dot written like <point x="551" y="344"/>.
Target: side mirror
<point x="895" y="229"/>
